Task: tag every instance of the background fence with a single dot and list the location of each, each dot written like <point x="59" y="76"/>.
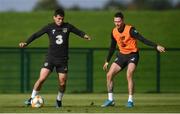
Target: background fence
<point x="19" y="69"/>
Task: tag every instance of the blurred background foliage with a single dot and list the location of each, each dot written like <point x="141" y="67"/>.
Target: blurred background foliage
<point x="46" y="5"/>
<point x="115" y="5"/>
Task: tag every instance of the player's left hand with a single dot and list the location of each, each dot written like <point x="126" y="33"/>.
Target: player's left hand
<point x="105" y="66"/>
<point x="87" y="37"/>
<point x="160" y="48"/>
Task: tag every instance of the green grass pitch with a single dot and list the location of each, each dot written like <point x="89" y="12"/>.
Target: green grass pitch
<point x="90" y="103"/>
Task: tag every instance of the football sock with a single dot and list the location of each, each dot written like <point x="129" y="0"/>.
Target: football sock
<point x="110" y="96"/>
<point x="130" y="98"/>
<point x="59" y="96"/>
<point x="34" y="93"/>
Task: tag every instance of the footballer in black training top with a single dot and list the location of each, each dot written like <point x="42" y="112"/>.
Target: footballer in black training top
<point x="57" y="56"/>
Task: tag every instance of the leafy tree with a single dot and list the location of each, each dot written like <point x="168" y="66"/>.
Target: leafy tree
<point x="152" y="4"/>
<point x="114" y="5"/>
<point x="47" y="5"/>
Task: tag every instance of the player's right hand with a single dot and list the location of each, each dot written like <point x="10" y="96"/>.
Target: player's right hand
<point x="160" y="48"/>
<point x="22" y="44"/>
<point x="105" y="67"/>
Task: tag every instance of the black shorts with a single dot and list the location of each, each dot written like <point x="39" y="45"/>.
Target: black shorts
<point x="124" y="59"/>
<point x="60" y="65"/>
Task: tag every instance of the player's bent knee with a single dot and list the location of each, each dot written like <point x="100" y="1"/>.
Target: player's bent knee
<point x="109" y="76"/>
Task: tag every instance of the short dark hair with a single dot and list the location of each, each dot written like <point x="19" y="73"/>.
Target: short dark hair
<point x="119" y="14"/>
<point x="60" y="12"/>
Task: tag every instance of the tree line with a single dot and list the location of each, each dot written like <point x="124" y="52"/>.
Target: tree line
<point x="114" y="4"/>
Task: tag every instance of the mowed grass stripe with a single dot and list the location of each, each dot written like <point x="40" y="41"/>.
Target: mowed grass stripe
<point x="91" y="103"/>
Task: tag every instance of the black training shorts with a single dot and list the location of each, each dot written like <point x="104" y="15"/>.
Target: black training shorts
<point x="124" y="59"/>
<point x="60" y="65"/>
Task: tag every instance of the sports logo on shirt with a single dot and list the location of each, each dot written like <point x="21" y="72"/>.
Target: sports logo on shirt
<point x="64" y="30"/>
<point x="135" y="31"/>
<point x="53" y="31"/>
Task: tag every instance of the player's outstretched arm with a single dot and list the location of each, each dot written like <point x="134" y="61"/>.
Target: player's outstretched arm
<point x="87" y="37"/>
<point x="22" y="44"/>
<point x="160" y="48"/>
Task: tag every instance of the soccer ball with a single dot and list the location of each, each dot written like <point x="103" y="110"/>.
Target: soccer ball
<point x="37" y="101"/>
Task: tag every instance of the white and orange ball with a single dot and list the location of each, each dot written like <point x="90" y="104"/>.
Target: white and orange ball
<point x="37" y="101"/>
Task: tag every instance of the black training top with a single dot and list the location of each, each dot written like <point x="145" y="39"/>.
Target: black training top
<point x="58" y="39"/>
